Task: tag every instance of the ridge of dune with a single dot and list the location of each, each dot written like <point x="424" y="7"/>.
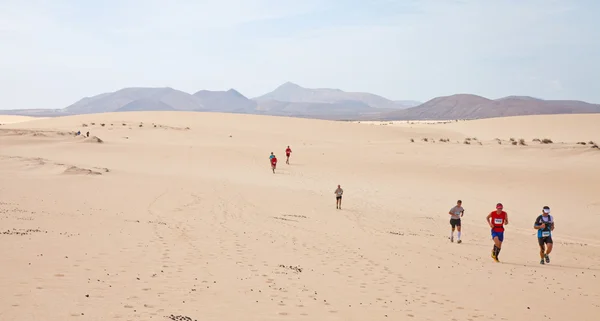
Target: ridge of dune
<point x="179" y="216"/>
<point x="12" y="119"/>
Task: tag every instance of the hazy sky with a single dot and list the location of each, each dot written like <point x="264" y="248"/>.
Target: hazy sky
<point x="54" y="52"/>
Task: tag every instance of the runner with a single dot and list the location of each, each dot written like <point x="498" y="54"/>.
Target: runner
<point x="497" y="220"/>
<point x="273" y="163"/>
<point x="288" y="151"/>
<point x="271" y="156"/>
<point x="456" y="213"/>
<point x="544" y="224"/>
<point x="338" y="197"/>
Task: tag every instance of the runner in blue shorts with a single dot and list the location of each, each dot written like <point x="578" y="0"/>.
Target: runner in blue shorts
<point x="497" y="219"/>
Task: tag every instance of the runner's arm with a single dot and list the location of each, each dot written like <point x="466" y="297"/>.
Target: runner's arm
<point x="536" y="224"/>
<point x="506" y="219"/>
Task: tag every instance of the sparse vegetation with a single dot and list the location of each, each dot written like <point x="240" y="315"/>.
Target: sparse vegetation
<point x="467" y="142"/>
<point x="546" y="141"/>
<point x="84" y="125"/>
<point x="536" y="140"/>
<point x="499" y="141"/>
<point x="522" y="142"/>
<point x="425" y="139"/>
<point x="595" y="146"/>
<point x="444" y="140"/>
<point x="581" y="143"/>
<point x="480" y="143"/>
<point x="124" y="124"/>
<point x="513" y="142"/>
<point x="102" y="125"/>
<point x="412" y="140"/>
<point x="93" y="124"/>
<point x="141" y="125"/>
<point x="591" y="143"/>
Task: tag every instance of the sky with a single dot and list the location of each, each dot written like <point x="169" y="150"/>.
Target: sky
<point x="55" y="52"/>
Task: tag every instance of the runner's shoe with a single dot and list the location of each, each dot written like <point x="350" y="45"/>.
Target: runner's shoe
<point x="542" y="261"/>
<point x="452" y="238"/>
<point x="459" y="241"/>
<point x="547" y="258"/>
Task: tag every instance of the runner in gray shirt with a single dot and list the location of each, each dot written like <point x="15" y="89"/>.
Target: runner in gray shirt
<point x="338" y="197"/>
<point x="455" y="214"/>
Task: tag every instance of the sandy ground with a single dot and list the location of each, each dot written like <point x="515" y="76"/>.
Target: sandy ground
<point x="178" y="215"/>
<point x="11" y="119"/>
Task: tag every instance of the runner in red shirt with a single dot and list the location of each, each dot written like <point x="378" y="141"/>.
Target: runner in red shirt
<point x="497" y="219"/>
<point x="288" y="152"/>
<point x="273" y="163"/>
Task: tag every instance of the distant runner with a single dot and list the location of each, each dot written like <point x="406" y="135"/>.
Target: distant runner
<point x="497" y="220"/>
<point x="288" y="152"/>
<point x="273" y="163"/>
<point x="544" y="224"/>
<point x="271" y="156"/>
<point x="456" y="213"/>
<point x="338" y="197"/>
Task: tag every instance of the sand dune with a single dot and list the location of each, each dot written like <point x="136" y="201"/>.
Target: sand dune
<point x="12" y="119"/>
<point x="178" y="215"/>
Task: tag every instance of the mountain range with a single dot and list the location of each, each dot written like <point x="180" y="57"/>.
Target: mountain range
<point x="293" y="100"/>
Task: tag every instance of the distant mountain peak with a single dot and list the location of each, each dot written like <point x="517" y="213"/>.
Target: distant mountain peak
<point x="289" y="85"/>
<point x="519" y="97"/>
<point x="234" y="92"/>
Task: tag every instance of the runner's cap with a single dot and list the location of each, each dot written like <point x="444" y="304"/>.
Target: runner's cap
<point x="499" y="206"/>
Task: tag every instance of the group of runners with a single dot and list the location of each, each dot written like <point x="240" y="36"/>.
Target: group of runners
<point x="288" y="152"/>
<point x="273" y="158"/>
<point x="544" y="224"/>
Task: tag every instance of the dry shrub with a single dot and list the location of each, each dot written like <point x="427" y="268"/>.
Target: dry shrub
<point x="522" y="142"/>
<point x="84" y="125"/>
<point x="581" y="143"/>
<point x="124" y="124"/>
<point x="591" y="143"/>
<point x="412" y="140"/>
<point x="141" y="125"/>
<point x="513" y="142"/>
<point x="467" y="142"/>
<point x="512" y="139"/>
<point x="468" y="139"/>
<point x="93" y="124"/>
<point x="444" y="140"/>
<point x="546" y="141"/>
<point x="425" y="139"/>
<point x="102" y="125"/>
<point x="536" y="140"/>
<point x="595" y="146"/>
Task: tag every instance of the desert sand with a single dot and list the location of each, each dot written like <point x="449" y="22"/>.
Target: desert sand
<point x="168" y="215"/>
<point x="13" y="119"/>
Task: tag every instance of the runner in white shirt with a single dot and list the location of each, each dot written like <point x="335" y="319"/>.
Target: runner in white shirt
<point x="455" y="214"/>
<point x="338" y="197"/>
